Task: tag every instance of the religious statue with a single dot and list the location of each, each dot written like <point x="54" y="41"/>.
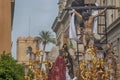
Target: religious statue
<point x="88" y="20"/>
<point x="69" y="61"/>
<point x="58" y="71"/>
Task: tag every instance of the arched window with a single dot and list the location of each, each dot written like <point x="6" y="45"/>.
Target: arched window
<point x="29" y="50"/>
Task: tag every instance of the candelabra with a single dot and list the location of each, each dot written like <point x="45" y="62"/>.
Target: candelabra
<point x="34" y="68"/>
<point x="95" y="67"/>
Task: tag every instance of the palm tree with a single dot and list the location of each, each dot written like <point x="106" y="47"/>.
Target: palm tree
<point x="46" y="37"/>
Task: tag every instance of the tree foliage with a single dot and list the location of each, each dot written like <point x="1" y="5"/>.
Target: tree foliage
<point x="46" y="38"/>
<point x="10" y="69"/>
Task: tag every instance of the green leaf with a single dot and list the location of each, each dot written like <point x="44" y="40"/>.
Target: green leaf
<point x="10" y="69"/>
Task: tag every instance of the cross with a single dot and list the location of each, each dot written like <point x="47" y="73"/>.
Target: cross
<point x="92" y="7"/>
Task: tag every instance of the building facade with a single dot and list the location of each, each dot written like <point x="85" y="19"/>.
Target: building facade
<point x="5" y="25"/>
<point x="61" y="22"/>
<point x="22" y="46"/>
<point x="113" y="26"/>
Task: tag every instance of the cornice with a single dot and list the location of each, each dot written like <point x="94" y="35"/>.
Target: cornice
<point x="55" y="24"/>
<point x="59" y="19"/>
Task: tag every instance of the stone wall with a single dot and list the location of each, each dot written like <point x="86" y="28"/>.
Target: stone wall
<point x="22" y="45"/>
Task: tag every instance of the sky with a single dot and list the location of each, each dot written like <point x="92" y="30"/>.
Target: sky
<point x="31" y="17"/>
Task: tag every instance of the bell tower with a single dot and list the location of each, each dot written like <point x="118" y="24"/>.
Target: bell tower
<point x="23" y="45"/>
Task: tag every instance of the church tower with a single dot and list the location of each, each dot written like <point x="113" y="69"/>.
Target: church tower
<point x="22" y="45"/>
